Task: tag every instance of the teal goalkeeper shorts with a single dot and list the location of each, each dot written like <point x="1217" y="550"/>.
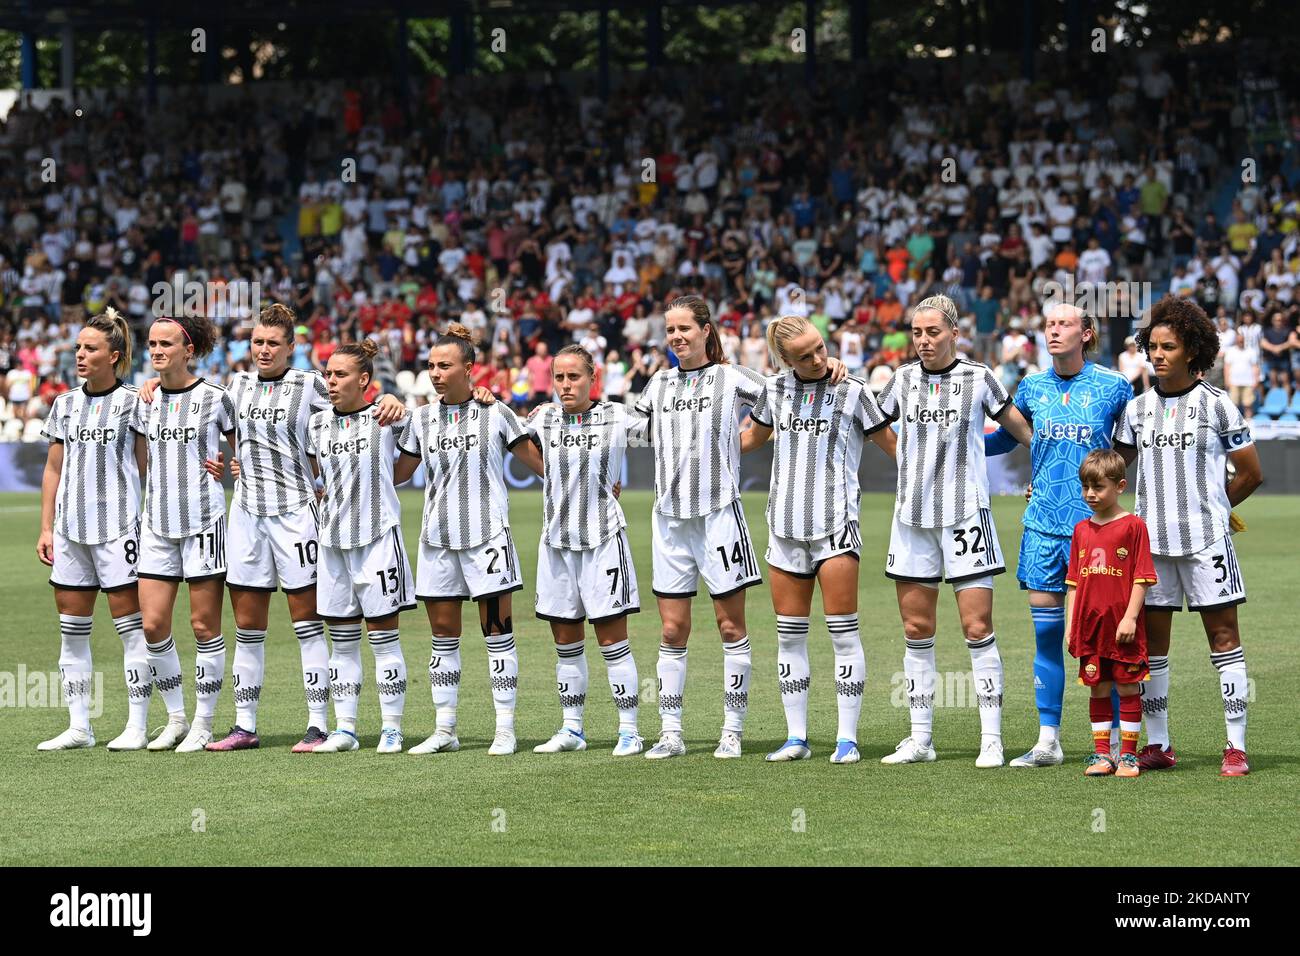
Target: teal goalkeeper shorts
<point x="1044" y="559"/>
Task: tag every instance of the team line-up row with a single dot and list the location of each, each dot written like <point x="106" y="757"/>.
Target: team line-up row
<point x="316" y="514"/>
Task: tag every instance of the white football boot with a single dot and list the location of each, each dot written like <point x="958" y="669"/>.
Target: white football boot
<point x="670" y="745"/>
<point x="390" y="741"/>
<point x="133" y="738"/>
<point x="1042" y="755"/>
<point x="171" y="735"/>
<point x="910" y="751"/>
<point x="728" y="746"/>
<point x="73" y="738"/>
<point x="503" y="743"/>
<point x="629" y="744"/>
<point x="990" y="755"/>
<point x="792" y="749"/>
<point x="442" y="742"/>
<point x="339" y="741"/>
<point x="564" y="741"/>
<point x="197" y="739"/>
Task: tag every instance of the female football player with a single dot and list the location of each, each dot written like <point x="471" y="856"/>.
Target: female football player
<point x="942" y="527"/>
<point x="183" y="536"/>
<point x="272" y="540"/>
<point x="90" y="526"/>
<point x="1072" y="407"/>
<point x="699" y="525"/>
<point x="583" y="555"/>
<point x="1183" y="434"/>
<point x="466" y="549"/>
<point x="362" y="571"/>
<point x="812" y="517"/>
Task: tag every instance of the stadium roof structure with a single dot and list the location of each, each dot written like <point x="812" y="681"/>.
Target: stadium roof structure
<point x="50" y="16"/>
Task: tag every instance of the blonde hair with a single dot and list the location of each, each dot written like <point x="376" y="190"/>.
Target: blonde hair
<point x="782" y="330"/>
<point x="941" y="304"/>
<point x="1086" y="322"/>
<point x="113" y="326"/>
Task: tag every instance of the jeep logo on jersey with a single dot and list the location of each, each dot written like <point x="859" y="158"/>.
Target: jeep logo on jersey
<point x="349" y="446"/>
<point x="1181" y="440"/>
<point x="1067" y="431"/>
<point x="688" y="404"/>
<point x="163" y="433"/>
<point x="576" y="441"/>
<point x="272" y="415"/>
<point x="934" y="416"/>
<point x="101" y="436"/>
<point x="457" y="442"/>
<point x="789" y="422"/>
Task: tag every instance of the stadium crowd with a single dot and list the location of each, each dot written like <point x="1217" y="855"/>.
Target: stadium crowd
<point x="539" y="215"/>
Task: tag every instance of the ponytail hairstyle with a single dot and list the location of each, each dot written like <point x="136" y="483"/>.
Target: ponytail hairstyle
<point x="279" y="316"/>
<point x="941" y="304"/>
<point x="113" y="326"/>
<point x="456" y="334"/>
<point x="582" y="354"/>
<point x="197" y="331"/>
<point x="364" y="353"/>
<point x="699" y="310"/>
<point x="782" y="330"/>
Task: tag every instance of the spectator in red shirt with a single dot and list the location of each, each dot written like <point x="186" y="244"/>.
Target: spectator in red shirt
<point x="539" y="375"/>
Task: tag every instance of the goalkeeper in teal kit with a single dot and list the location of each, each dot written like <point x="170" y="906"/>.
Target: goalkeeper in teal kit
<point x="1073" y="407"/>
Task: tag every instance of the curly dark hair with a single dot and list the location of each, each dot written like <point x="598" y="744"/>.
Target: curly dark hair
<point x="1190" y="324"/>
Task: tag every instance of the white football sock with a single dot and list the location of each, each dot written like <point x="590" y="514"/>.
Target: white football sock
<point x="209" y="675"/>
<point x="315" y="654"/>
<point x="1155" y="701"/>
<point x="737" y="663"/>
<point x="247" y="671"/>
<point x="390" y="676"/>
<point x="671" y="669"/>
<point x="503" y="668"/>
<point x="1048" y="736"/>
<point x="621" y="668"/>
<point x="850" y="672"/>
<point x="1231" y="666"/>
<point x="571" y="679"/>
<point x="919" y="669"/>
<point x="345" y="673"/>
<point x="75" y="668"/>
<point x="986" y="666"/>
<point x="793" y="673"/>
<point x="135" y="666"/>
<point x="444" y="680"/>
<point x="165" y="669"/>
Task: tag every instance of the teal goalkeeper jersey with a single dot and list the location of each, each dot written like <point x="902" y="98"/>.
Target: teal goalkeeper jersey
<point x="1070" y="417"/>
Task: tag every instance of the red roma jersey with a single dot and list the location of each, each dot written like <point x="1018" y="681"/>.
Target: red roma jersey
<point x="1106" y="560"/>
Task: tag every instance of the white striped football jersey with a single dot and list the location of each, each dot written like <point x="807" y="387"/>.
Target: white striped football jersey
<point x="941" y="473"/>
<point x="1183" y="440"/>
<point x="818" y="429"/>
<point x="464" y="450"/>
<point x="695" y="430"/>
<point x="98" y="499"/>
<point x="271" y="416"/>
<point x="583" y="455"/>
<point x="184" y="429"/>
<point x="355" y="456"/>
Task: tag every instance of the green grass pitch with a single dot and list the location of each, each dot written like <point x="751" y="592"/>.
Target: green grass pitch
<point x="273" y="807"/>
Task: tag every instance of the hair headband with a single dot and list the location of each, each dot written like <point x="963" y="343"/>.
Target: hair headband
<point x="179" y="326"/>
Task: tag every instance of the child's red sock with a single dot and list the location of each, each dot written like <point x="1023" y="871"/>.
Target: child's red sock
<point x="1130" y="723"/>
<point x="1102" y="715"/>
